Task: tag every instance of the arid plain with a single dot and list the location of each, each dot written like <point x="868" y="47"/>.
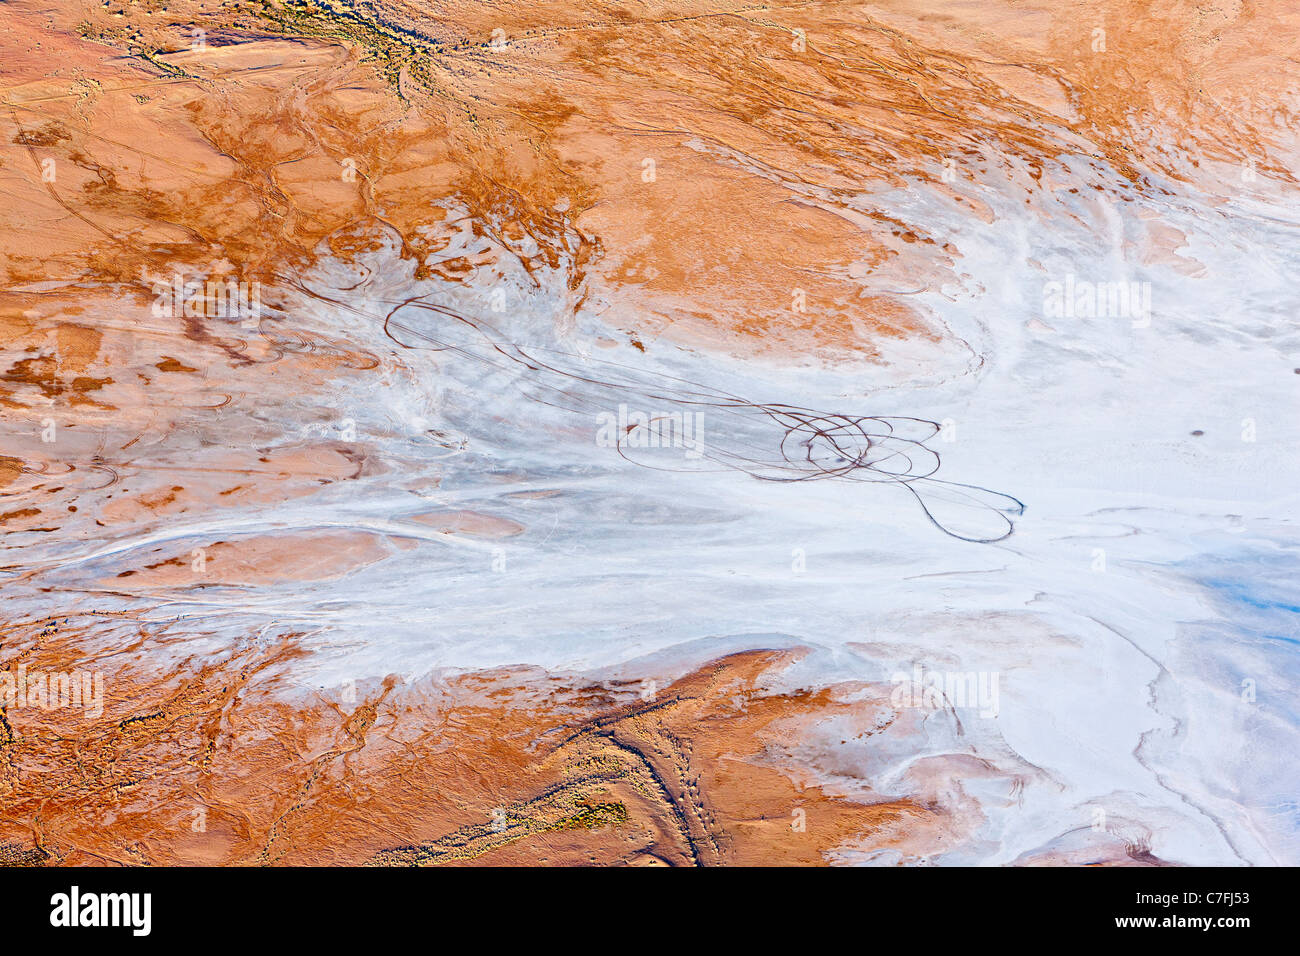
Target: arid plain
<point x="650" y="433"/>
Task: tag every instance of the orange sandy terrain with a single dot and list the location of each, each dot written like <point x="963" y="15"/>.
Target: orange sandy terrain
<point x="663" y="154"/>
<point x="215" y="766"/>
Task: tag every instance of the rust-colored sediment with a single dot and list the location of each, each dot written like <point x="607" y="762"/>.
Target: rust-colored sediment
<point x="543" y="119"/>
<point x="212" y="765"/>
<point x="663" y="155"/>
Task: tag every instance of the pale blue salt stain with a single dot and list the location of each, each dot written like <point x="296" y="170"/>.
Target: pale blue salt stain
<point x="1257" y="593"/>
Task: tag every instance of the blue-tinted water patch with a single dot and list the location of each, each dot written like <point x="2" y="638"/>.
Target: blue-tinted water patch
<point x="1258" y="592"/>
<point x="1248" y="666"/>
